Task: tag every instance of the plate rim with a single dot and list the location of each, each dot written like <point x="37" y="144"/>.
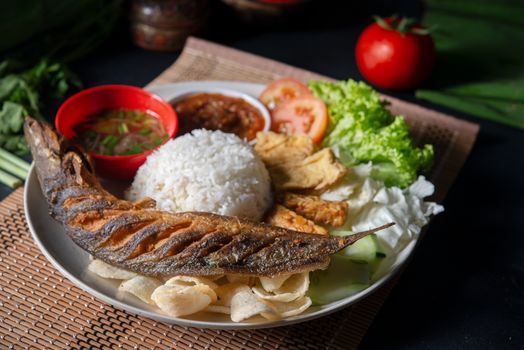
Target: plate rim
<point x="407" y="253"/>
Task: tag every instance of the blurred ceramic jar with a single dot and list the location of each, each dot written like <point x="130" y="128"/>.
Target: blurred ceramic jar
<point x="267" y="11"/>
<point x="164" y="25"/>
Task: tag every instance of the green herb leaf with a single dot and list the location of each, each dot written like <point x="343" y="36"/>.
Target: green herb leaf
<point x="135" y="150"/>
<point x="110" y="140"/>
<point x="14" y="143"/>
<point x="8" y="84"/>
<point x="123" y="129"/>
<point x="486" y="37"/>
<point x="23" y="94"/>
<point x="159" y="141"/>
<point x="11" y="117"/>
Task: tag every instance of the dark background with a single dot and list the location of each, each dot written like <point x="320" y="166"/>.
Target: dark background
<point x="464" y="288"/>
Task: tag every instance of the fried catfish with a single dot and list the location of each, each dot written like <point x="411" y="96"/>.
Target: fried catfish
<point x="135" y="237"/>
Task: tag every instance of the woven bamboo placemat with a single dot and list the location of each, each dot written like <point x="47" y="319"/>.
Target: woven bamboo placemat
<point x="39" y="308"/>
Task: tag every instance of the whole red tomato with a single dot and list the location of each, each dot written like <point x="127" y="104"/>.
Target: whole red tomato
<point x="395" y="53"/>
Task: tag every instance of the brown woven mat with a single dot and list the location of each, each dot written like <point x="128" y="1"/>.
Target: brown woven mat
<point x="39" y="308"/>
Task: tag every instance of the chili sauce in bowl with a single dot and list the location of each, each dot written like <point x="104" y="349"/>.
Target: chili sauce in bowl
<point x="120" y="132"/>
<point x="224" y="110"/>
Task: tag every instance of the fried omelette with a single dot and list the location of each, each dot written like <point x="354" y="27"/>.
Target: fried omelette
<point x="294" y="164"/>
<point x="314" y="208"/>
<point x="283" y="217"/>
<point x="135" y="237"/>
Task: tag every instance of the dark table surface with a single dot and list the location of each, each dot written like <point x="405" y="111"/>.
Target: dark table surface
<point x="464" y="288"/>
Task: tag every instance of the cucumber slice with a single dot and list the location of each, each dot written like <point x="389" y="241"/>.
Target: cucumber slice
<point x="341" y="279"/>
<point x="365" y="250"/>
<point x="326" y="296"/>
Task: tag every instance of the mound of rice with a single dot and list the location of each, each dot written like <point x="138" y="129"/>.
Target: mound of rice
<point x="207" y="171"/>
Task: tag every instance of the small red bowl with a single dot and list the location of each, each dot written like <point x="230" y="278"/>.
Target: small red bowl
<point x="84" y="104"/>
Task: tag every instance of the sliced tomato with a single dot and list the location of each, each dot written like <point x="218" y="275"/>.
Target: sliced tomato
<point x="282" y="90"/>
<point x="301" y="116"/>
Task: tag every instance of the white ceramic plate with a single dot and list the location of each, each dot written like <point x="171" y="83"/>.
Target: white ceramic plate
<point x="72" y="261"/>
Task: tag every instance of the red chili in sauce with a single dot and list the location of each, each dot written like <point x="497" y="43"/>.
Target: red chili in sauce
<point x="219" y="112"/>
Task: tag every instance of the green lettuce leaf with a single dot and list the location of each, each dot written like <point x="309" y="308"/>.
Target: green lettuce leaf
<point x="363" y="130"/>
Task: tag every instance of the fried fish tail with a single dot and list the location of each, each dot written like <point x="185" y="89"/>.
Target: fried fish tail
<point x="350" y="239"/>
<point x="156" y="243"/>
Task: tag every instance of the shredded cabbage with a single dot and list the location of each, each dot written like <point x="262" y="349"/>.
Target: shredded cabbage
<point x="372" y="205"/>
<point x="363" y="130"/>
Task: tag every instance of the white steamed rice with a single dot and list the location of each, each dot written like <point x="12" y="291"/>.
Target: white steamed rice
<point x="207" y="171"/>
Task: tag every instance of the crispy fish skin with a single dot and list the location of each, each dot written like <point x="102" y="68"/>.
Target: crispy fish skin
<point x="314" y="208"/>
<point x="157" y="243"/>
